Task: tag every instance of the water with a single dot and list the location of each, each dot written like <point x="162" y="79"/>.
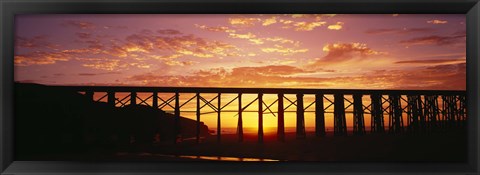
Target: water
<point x="274" y="130"/>
<point x="213" y="158"/>
<point x="255" y="130"/>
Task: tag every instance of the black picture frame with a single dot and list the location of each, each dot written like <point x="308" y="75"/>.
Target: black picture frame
<point x="9" y="8"/>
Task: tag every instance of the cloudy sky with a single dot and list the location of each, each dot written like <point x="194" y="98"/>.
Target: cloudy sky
<point x="381" y="51"/>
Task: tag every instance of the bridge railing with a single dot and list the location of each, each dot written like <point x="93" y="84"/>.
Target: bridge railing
<point x="426" y="110"/>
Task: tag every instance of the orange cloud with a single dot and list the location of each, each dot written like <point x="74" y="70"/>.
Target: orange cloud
<point x="39" y="58"/>
<point x="445" y="77"/>
<point x="266" y="76"/>
<point x="243" y="36"/>
<point x="243" y="22"/>
<point x="298" y="15"/>
<point x="336" y="26"/>
<point x="433" y="61"/>
<point x="283" y="50"/>
<point x="447" y="56"/>
<point x="346" y="51"/>
<point x="280" y="70"/>
<point x="308" y="22"/>
<point x="307" y="26"/>
<point x="436" y="21"/>
<point x="399" y="31"/>
<point x="79" y="24"/>
<point x="458" y="38"/>
<point x="92" y="74"/>
<point x="83" y="35"/>
<point x="286" y="21"/>
<point x="169" y="32"/>
<point x="269" y="21"/>
<point x="281" y="40"/>
<point x="439" y="77"/>
<point x="165" y="45"/>
<point x="34" y="42"/>
<point x="249" y="36"/>
<point x="232" y="34"/>
<point x="172" y="46"/>
<point x="49" y="57"/>
<point x="179" y="63"/>
<point x="316" y="17"/>
<point x="216" y="29"/>
<point x="104" y="64"/>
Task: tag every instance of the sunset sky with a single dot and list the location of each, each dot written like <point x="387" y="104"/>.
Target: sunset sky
<point x="380" y="51"/>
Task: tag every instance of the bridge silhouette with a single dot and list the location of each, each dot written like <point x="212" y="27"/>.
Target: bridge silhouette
<point x="426" y="110"/>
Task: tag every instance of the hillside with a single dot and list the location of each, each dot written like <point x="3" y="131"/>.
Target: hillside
<point x="49" y="120"/>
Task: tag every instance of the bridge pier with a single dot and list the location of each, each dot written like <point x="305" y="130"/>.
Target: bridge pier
<point x="395" y="113"/>
<point x="260" y="118"/>
<point x="300" y="118"/>
<point x="111" y="99"/>
<point x="219" y="128"/>
<point x="462" y="110"/>
<point x="176" y="124"/>
<point x="431" y="111"/>
<point x="198" y="117"/>
<point x="358" y="118"/>
<point x="377" y="125"/>
<point x="240" y="119"/>
<point x="155" y="100"/>
<point x="281" y="119"/>
<point x="340" y="123"/>
<point x="414" y="112"/>
<point x="319" y="115"/>
<point x="133" y="98"/>
<point x="449" y="110"/>
<point x="89" y="95"/>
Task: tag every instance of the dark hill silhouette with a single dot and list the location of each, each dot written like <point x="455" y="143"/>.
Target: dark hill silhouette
<point x="48" y="120"/>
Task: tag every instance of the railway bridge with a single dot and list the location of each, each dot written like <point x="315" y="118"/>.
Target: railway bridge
<point x="425" y="110"/>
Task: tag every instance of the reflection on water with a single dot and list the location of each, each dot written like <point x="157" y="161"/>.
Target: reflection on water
<point x="221" y="158"/>
<point x="213" y="158"/>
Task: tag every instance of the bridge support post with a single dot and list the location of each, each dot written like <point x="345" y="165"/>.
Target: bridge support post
<point x="133" y="98"/>
<point x="414" y="112"/>
<point x="395" y="122"/>
<point x="260" y="118"/>
<point x="176" y="124"/>
<point x="219" y="127"/>
<point x="449" y="110"/>
<point x="281" y="119"/>
<point x="111" y="99"/>
<point x="198" y="117"/>
<point x="431" y="111"/>
<point x="240" y="119"/>
<point x="89" y="95"/>
<point x="300" y="118"/>
<point x="463" y="110"/>
<point x="377" y="125"/>
<point x="422" y="121"/>
<point x="358" y="117"/>
<point x="458" y="110"/>
<point x="319" y="115"/>
<point x="340" y="123"/>
<point x="155" y="100"/>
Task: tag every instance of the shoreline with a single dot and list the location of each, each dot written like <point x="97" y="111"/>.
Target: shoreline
<point x="436" y="147"/>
